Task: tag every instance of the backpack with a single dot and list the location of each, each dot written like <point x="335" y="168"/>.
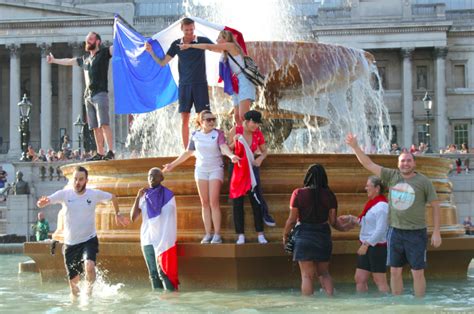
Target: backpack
<point x="250" y="71"/>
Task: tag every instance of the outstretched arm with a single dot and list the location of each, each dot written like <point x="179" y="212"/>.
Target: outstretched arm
<point x="178" y="161"/>
<point x="226" y="151"/>
<point x="43" y="202"/>
<point x="212" y="47"/>
<point x="66" y="61"/>
<point x="364" y="160"/>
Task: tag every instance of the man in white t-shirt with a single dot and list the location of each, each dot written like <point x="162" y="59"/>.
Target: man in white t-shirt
<point x="80" y="237"/>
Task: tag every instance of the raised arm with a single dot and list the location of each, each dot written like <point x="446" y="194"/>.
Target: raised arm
<point x="364" y="160"/>
<point x="66" y="61"/>
<point x="161" y="62"/>
<point x="178" y="161"/>
<point x="136" y="210"/>
<point x="43" y="202"/>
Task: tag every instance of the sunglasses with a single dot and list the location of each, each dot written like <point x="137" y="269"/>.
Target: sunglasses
<point x="210" y="119"/>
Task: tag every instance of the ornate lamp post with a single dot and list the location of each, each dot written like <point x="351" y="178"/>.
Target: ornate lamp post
<point x="25" y="110"/>
<point x="427" y="104"/>
<point x="79" y="124"/>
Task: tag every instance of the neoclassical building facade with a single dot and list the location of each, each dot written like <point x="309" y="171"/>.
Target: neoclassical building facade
<point x="420" y="46"/>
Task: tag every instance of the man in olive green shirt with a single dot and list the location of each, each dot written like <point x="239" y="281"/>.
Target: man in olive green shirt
<point x="407" y="238"/>
<point x="41" y="227"/>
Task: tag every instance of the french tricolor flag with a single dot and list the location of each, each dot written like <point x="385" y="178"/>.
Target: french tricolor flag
<point x="162" y="224"/>
<point x="140" y="84"/>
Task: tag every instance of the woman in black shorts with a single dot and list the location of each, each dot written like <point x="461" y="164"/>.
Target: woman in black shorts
<point x="372" y="253"/>
<point x="314" y="207"/>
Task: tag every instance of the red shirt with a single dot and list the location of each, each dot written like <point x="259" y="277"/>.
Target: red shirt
<point x="257" y="137"/>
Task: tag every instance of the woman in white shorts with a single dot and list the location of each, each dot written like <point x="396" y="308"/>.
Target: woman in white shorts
<point x="226" y="44"/>
<point x="207" y="144"/>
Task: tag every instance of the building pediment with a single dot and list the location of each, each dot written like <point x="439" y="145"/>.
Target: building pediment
<point x="13" y="10"/>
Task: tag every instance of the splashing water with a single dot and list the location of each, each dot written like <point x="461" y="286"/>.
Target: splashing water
<point x="334" y="83"/>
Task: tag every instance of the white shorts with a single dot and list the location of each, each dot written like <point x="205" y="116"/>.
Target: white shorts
<point x="217" y="174"/>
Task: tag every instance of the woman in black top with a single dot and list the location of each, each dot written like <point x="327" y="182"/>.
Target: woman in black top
<point x="314" y="207"/>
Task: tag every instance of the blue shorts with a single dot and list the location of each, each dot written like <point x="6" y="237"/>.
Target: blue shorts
<point x="246" y="90"/>
<point x="196" y="94"/>
<point x="407" y="246"/>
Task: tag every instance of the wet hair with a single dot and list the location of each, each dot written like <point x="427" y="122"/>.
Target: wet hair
<point x="316" y="179"/>
<point x="199" y="118"/>
<point x="82" y="169"/>
<point x="377" y="182"/>
<point x="229" y="37"/>
<point x="186" y="21"/>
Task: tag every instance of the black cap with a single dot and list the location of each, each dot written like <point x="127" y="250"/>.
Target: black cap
<point x="253" y="115"/>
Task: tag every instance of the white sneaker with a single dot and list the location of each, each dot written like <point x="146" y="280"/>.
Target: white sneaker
<point x="216" y="239"/>
<point x="261" y="239"/>
<point x="241" y="239"/>
<point x="207" y="239"/>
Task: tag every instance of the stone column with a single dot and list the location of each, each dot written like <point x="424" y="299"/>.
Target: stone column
<point x="440" y="109"/>
<point x="407" y="91"/>
<point x="15" y="98"/>
<point x="77" y="94"/>
<point x="46" y="105"/>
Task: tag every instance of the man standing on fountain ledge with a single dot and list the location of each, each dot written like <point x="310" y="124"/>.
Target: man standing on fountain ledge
<point x="192" y="87"/>
<point x="80" y="237"/>
<point x="409" y="191"/>
<point x="96" y="69"/>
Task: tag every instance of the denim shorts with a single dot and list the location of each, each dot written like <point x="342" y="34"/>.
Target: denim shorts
<point x="313" y="243"/>
<point x="246" y="90"/>
<point x="407" y="247"/>
<point x="216" y="174"/>
<point x="97" y="109"/>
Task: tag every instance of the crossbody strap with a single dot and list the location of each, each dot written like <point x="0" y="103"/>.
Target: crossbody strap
<point x="241" y="68"/>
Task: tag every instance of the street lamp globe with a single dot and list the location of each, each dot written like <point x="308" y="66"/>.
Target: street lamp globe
<point x="25" y="107"/>
<point x="427" y="102"/>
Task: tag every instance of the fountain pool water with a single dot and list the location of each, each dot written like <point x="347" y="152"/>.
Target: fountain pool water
<point x="25" y="293"/>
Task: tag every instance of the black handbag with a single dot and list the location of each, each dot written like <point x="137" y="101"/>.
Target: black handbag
<point x="250" y="70"/>
<point x="290" y="242"/>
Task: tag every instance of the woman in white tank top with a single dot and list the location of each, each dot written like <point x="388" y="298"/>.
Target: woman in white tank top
<point x="226" y="44"/>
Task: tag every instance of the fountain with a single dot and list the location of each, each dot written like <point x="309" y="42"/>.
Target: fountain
<point x="315" y="94"/>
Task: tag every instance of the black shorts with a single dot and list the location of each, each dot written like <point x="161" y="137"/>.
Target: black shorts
<point x="75" y="255"/>
<point x="196" y="94"/>
<point x="374" y="261"/>
<point x="407" y="247"/>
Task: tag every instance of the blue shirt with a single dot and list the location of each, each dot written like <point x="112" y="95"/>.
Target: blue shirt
<point x="192" y="61"/>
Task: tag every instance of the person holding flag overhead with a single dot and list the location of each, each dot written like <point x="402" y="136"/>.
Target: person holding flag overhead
<point x="242" y="90"/>
<point x="158" y="231"/>
<point x="193" y="88"/>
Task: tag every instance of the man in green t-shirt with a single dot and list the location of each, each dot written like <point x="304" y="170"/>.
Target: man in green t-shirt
<point x="409" y="192"/>
<point x="41" y="227"/>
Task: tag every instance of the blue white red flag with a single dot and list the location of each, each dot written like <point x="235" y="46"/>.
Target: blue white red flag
<point x="140" y="84"/>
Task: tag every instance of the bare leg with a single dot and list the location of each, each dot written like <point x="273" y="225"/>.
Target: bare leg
<point x="325" y="277"/>
<point x="185" y="128"/>
<point x="380" y="280"/>
<point x="107" y="131"/>
<point x="214" y="193"/>
<point x="396" y="280"/>
<point x="73" y="286"/>
<point x="419" y="282"/>
<point x="361" y="278"/>
<point x="308" y="271"/>
<point x="244" y="107"/>
<point x="99" y="140"/>
<point x="237" y="119"/>
<point x="90" y="275"/>
<point x="203" y="190"/>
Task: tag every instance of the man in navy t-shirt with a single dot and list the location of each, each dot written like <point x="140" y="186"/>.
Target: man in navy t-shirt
<point x="193" y="87"/>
